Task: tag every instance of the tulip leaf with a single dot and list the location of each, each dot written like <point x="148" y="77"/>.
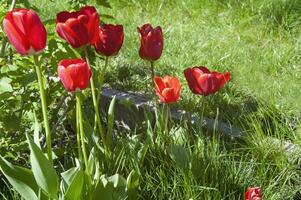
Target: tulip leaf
<point x="104" y="3"/>
<point x="22" y="179"/>
<point x="180" y="155"/>
<point x="133" y="180"/>
<point x="75" y="189"/>
<point x="5" y="85"/>
<point x="111" y="113"/>
<point x="69" y="175"/>
<point x="43" y="170"/>
<point x="36" y="135"/>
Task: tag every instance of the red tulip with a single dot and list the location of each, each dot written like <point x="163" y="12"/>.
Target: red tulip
<point x="167" y="88"/>
<point x="202" y="81"/>
<point x="25" y="31"/>
<point x="109" y="40"/>
<point x="74" y="74"/>
<point x="151" y="40"/>
<point x="253" y="193"/>
<point x="78" y="28"/>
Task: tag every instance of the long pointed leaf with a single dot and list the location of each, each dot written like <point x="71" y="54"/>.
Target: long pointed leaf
<point x="21" y="179"/>
<point x="42" y="169"/>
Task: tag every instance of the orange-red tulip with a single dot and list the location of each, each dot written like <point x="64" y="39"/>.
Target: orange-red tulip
<point x="75" y="74"/>
<point x="25" y="31"/>
<point x="253" y="193"/>
<point x="109" y="40"/>
<point x="202" y="81"/>
<point x="167" y="88"/>
<point x="151" y="40"/>
<point x="78" y="28"/>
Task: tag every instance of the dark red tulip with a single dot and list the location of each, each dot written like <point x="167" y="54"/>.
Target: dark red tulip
<point x="253" y="193"/>
<point x="109" y="40"/>
<point x="25" y="31"/>
<point x="167" y="88"/>
<point x="151" y="42"/>
<point x="78" y="28"/>
<point x="74" y="74"/>
<point x="202" y="81"/>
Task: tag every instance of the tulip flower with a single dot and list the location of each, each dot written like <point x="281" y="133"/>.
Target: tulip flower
<point x="253" y="193"/>
<point x="109" y="40"/>
<point x="167" y="88"/>
<point x="151" y="42"/>
<point x="78" y="28"/>
<point x="202" y="81"/>
<point x="25" y="31"/>
<point x="75" y="74"/>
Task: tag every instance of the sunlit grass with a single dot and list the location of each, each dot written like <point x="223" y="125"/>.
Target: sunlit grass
<point x="257" y="41"/>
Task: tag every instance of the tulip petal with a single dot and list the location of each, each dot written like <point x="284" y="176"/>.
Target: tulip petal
<point x="65" y="78"/>
<point x="16" y="38"/>
<point x="191" y="78"/>
<point x="66" y="33"/>
<point x="36" y="31"/>
<point x="159" y="84"/>
<point x="169" y="95"/>
<point x="209" y="84"/>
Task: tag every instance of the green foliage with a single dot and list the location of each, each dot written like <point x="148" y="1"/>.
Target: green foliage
<point x="43" y="170"/>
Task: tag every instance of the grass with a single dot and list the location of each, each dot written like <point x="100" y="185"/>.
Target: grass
<point x="258" y="41"/>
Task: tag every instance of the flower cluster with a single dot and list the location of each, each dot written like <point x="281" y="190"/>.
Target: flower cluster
<point x="81" y="28"/>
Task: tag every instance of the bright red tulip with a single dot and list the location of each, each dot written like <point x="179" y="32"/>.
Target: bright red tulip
<point x="109" y="40"/>
<point x="74" y="74"/>
<point x="253" y="193"/>
<point x="25" y="31"/>
<point x="167" y="88"/>
<point x="202" y="81"/>
<point x="151" y="40"/>
<point x="78" y="28"/>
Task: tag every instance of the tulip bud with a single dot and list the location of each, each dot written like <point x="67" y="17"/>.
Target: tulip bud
<point x="253" y="193"/>
<point x="78" y="28"/>
<point x="151" y="40"/>
<point x="25" y="31"/>
<point x="202" y="81"/>
<point x="167" y="88"/>
<point x="74" y="74"/>
<point x="109" y="40"/>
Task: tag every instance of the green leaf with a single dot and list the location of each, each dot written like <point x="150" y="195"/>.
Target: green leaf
<point x="110" y="188"/>
<point x="180" y="155"/>
<point x="21" y="179"/>
<point x="101" y="192"/>
<point x="111" y="117"/>
<point x="104" y="3"/>
<point x="36" y="135"/>
<point x="133" y="180"/>
<point x="42" y="169"/>
<point x="69" y="175"/>
<point x="74" y="191"/>
<point x="5" y="85"/>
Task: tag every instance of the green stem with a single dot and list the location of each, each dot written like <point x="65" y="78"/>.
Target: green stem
<point x="78" y="132"/>
<point x="44" y="107"/>
<point x="81" y="130"/>
<point x="95" y="102"/>
<point x="165" y="121"/>
<point x="152" y="70"/>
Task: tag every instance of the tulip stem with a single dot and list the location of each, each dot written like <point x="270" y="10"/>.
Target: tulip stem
<point x="81" y="130"/>
<point x="166" y="110"/>
<point x="44" y="107"/>
<point x="153" y="70"/>
<point x="95" y="102"/>
<point x="13" y="3"/>
<point x="78" y="132"/>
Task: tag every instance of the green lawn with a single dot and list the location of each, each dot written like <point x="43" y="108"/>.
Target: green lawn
<point x="259" y="43"/>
